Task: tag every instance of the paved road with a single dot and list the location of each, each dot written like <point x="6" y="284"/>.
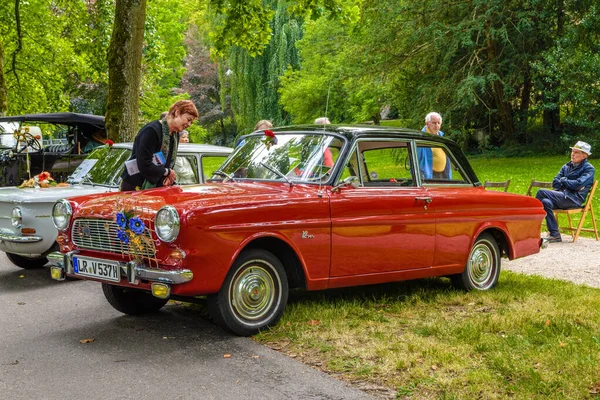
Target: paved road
<point x="172" y="354"/>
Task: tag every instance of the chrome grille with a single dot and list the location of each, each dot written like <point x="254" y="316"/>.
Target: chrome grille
<point x="101" y="235"/>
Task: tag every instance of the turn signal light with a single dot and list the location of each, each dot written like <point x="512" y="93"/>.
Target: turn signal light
<point x="27" y="231"/>
<point x="161" y="290"/>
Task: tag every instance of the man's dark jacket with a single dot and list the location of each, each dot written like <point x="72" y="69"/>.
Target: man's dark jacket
<point x="575" y="181"/>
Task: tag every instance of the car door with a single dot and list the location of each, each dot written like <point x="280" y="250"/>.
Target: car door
<point x="386" y="224"/>
<point x="457" y="204"/>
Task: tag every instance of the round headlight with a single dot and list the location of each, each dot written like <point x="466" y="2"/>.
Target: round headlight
<point x="61" y="214"/>
<point x="166" y="224"/>
<point x="16" y="217"/>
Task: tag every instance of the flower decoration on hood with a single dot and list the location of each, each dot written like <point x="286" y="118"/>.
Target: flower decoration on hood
<point x="269" y="139"/>
<point x="42" y="180"/>
<point x="136" y="225"/>
<point x="131" y="232"/>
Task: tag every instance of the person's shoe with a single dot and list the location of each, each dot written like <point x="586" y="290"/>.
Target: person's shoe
<point x="554" y="239"/>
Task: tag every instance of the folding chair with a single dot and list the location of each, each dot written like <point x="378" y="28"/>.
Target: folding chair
<point x="538" y="185"/>
<point x="489" y="184"/>
<point x="587" y="207"/>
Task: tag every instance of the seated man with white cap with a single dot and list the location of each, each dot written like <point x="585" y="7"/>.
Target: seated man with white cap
<point x="571" y="187"/>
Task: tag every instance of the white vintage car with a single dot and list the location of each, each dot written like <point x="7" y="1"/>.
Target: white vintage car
<point x="27" y="234"/>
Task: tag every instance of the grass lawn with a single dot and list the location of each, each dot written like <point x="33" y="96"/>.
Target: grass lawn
<point x="521" y="171"/>
<point x="530" y="338"/>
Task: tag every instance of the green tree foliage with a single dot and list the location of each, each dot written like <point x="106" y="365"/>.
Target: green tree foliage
<point x="572" y="66"/>
<point x="47" y="58"/>
<point x="254" y="80"/>
<point x="494" y="69"/>
<point x="164" y="56"/>
<point x="332" y="80"/>
<point x="247" y="23"/>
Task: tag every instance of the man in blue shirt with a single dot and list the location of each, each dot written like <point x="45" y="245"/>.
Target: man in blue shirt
<point x="433" y="162"/>
<point x="571" y="187"/>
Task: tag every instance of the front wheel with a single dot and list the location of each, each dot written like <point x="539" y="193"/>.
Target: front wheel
<point x="27" y="262"/>
<point x="253" y="296"/>
<point x="483" y="266"/>
<point x="132" y="301"/>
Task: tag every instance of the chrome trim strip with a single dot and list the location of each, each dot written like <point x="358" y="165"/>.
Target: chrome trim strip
<point x="173" y="277"/>
<point x="6" y="237"/>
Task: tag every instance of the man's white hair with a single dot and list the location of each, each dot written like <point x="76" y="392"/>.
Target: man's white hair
<point x="432" y="114"/>
<point x="322" y="121"/>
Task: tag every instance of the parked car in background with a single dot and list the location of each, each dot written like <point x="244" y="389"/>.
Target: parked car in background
<point x="299" y="207"/>
<point x="27" y="233"/>
<point x="56" y="142"/>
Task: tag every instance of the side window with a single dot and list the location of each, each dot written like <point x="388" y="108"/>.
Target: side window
<point x="436" y="166"/>
<point x="210" y="164"/>
<point x="381" y="163"/>
<point x="388" y="166"/>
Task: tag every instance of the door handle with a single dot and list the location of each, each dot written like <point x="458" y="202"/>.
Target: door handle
<point x="427" y="200"/>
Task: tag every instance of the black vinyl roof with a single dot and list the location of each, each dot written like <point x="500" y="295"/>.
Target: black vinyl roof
<point x="58" y="118"/>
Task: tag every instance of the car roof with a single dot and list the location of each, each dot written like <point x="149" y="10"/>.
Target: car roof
<point x="58" y="118"/>
<point x="187" y="148"/>
<point x="354" y="131"/>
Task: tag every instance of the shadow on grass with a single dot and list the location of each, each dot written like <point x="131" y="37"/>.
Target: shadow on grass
<point x="427" y="290"/>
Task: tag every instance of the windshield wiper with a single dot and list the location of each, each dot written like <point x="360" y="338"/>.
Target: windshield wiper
<point x="225" y="174"/>
<point x="276" y="172"/>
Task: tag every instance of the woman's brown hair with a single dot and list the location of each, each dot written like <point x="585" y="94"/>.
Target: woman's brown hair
<point x="183" y="107"/>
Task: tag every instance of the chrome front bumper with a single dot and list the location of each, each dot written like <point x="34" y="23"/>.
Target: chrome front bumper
<point x="134" y="272"/>
<point x="8" y="237"/>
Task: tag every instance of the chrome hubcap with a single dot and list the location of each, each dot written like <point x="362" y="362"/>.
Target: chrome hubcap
<point x="481" y="265"/>
<point x="253" y="293"/>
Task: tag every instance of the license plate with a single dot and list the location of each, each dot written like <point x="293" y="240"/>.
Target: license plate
<point x="101" y="269"/>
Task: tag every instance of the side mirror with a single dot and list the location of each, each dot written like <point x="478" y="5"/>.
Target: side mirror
<point x="351" y="181"/>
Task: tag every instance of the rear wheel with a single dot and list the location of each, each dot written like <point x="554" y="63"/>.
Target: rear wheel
<point x="483" y="266"/>
<point x="253" y="296"/>
<point x="27" y="262"/>
<point x="132" y="301"/>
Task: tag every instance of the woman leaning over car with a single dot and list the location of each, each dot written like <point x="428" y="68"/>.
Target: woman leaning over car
<point x="155" y="149"/>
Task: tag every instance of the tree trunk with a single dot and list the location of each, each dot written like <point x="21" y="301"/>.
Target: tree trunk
<point x="124" y="69"/>
<point x="3" y="89"/>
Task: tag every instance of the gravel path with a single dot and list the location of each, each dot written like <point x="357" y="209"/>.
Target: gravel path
<point x="578" y="262"/>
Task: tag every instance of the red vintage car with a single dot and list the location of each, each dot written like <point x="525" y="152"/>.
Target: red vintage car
<point x="299" y="207"/>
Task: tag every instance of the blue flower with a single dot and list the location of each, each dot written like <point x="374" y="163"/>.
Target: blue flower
<point x="123" y="236"/>
<point x="136" y="225"/>
<point x="121" y="220"/>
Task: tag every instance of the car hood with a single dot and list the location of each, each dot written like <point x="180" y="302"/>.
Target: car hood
<point x="193" y="197"/>
<point x="50" y="194"/>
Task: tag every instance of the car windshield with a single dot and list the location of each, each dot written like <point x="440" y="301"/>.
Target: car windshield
<point x="102" y="167"/>
<point x="295" y="157"/>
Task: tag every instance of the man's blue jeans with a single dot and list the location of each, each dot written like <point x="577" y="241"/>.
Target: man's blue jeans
<point x="552" y="200"/>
